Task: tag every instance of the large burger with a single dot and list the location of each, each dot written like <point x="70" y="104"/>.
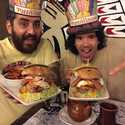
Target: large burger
<point x="86" y="82"/>
<point x="39" y="83"/>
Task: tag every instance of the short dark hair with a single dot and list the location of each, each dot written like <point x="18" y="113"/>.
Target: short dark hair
<point x="10" y="15"/>
<point x="70" y="43"/>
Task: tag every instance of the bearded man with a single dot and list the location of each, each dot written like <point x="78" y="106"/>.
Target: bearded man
<point x="24" y="43"/>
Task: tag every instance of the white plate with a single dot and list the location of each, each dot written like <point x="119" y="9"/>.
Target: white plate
<point x="14" y="92"/>
<point x="11" y="82"/>
<point x="104" y="95"/>
<point x="65" y="118"/>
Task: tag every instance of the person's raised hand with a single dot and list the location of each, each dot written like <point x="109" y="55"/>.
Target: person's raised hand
<point x="117" y="69"/>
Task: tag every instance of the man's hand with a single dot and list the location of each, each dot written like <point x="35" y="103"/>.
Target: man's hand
<point x="117" y="69"/>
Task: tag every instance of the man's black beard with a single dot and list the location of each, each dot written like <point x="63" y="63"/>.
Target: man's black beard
<point x="18" y="42"/>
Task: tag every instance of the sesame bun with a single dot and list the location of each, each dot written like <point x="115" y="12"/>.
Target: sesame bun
<point x="88" y="73"/>
<point x="35" y="69"/>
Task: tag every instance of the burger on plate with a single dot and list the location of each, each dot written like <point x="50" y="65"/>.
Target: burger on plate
<point x="86" y="82"/>
<point x="39" y="83"/>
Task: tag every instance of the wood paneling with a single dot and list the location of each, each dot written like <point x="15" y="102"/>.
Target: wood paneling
<point x="3" y="6"/>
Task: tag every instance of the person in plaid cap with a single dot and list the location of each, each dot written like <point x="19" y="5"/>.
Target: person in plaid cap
<point x="87" y="45"/>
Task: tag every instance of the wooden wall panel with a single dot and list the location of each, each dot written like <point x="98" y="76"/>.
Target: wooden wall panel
<point x="3" y="6"/>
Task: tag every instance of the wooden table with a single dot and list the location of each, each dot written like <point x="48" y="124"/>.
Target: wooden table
<point x="35" y="116"/>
